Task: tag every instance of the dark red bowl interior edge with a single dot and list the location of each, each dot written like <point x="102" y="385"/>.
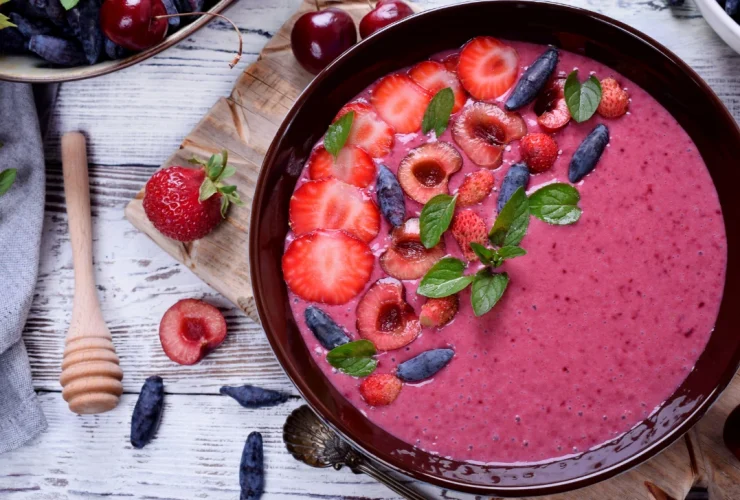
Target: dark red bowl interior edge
<point x="668" y="79"/>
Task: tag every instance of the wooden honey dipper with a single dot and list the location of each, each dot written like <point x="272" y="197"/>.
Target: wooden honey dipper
<point x="91" y="376"/>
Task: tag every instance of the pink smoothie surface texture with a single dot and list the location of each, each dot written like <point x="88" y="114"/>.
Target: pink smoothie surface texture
<point x="602" y="319"/>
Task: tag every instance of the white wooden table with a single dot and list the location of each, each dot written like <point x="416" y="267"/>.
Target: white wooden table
<point x="134" y="119"/>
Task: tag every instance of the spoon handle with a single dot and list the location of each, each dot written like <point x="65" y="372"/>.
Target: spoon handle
<point x="381" y="476"/>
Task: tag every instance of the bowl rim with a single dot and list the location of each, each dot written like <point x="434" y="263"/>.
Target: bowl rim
<point x="75" y="73"/>
<point x="719" y="13"/>
<point x="332" y="420"/>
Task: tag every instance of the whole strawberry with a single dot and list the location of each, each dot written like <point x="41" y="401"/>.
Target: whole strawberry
<point x="186" y="204"/>
<point x="539" y="152"/>
<point x="614" y="99"/>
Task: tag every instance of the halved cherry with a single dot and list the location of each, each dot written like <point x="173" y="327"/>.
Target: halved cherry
<point x="550" y="107"/>
<point x="407" y="258"/>
<point x="482" y="130"/>
<point x="425" y="171"/>
<point x="385" y="318"/>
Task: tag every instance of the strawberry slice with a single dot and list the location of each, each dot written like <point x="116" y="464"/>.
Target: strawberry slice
<point x="400" y="102"/>
<point x="352" y="165"/>
<point x="450" y="62"/>
<point x="433" y="77"/>
<point x="330" y="267"/>
<point x="333" y="204"/>
<point x="190" y="329"/>
<point x="368" y="131"/>
<point x="487" y="67"/>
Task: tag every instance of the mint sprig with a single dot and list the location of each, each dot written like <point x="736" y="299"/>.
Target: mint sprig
<point x="7" y="178"/>
<point x="217" y="170"/>
<point x="488" y="288"/>
<point x="582" y="98"/>
<point x="437" y="115"/>
<point x="512" y="223"/>
<point x="337" y="134"/>
<point x="445" y="278"/>
<point x="435" y="218"/>
<point x="69" y="4"/>
<point x="495" y="257"/>
<point x="556" y="204"/>
<point x="354" y="358"/>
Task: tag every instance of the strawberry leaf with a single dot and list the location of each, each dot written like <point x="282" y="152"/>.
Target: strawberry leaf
<point x="207" y="189"/>
<point x="227" y="172"/>
<point x="338" y="133"/>
<point x="7" y="178"/>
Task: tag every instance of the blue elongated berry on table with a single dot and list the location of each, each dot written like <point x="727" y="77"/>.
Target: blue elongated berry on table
<point x="588" y="153"/>
<point x="114" y="51"/>
<point x="732" y="7"/>
<point x="533" y="80"/>
<point x="85" y="22"/>
<point x="252" y="468"/>
<point x="30" y="27"/>
<point x="390" y="197"/>
<point x="171" y="8"/>
<point x="12" y="41"/>
<point x="147" y="412"/>
<point x="424" y="365"/>
<point x="250" y="396"/>
<point x="57" y="50"/>
<point x="326" y="331"/>
<point x="517" y="177"/>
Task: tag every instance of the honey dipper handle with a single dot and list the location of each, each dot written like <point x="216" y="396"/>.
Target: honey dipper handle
<point x="86" y="315"/>
<point x="91" y="375"/>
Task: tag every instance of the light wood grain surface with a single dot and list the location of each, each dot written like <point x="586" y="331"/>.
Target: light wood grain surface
<point x="134" y="119"/>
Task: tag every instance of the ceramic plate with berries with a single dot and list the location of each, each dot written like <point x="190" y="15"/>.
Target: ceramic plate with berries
<point x="44" y="41"/>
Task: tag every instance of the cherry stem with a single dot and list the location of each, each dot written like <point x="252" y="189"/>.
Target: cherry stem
<point x="316" y="2"/>
<point x="212" y="14"/>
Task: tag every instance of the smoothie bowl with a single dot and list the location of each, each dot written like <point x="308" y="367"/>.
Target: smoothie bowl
<point x="488" y="245"/>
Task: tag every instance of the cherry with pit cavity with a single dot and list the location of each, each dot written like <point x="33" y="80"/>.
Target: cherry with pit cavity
<point x="133" y="24"/>
<point x="384" y="13"/>
<point x="320" y="36"/>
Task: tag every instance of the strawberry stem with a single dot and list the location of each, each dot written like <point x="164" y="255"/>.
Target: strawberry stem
<point x="212" y="14"/>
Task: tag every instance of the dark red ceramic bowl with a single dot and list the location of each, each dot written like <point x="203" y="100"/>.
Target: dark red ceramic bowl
<point x="629" y="52"/>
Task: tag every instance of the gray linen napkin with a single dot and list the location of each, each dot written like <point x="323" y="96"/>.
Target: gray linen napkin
<point x="21" y="219"/>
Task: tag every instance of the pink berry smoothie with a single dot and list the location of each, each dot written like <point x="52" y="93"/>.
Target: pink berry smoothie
<point x="602" y="319"/>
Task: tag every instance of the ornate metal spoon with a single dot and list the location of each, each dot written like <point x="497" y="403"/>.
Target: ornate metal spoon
<point x="309" y="440"/>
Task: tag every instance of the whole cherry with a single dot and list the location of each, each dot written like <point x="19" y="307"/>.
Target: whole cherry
<point x="384" y="13"/>
<point x="132" y="23"/>
<point x="320" y="36"/>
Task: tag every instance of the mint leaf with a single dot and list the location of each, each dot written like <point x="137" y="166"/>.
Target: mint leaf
<point x="487" y="256"/>
<point x="69" y="4"/>
<point x="509" y="252"/>
<point x="556" y="204"/>
<point x="582" y="99"/>
<point x="354" y="358"/>
<point x="7" y="178"/>
<point x="512" y="223"/>
<point x="337" y="134"/>
<point x="488" y="287"/>
<point x="437" y="115"/>
<point x="445" y="278"/>
<point x="435" y="218"/>
<point x="5" y="21"/>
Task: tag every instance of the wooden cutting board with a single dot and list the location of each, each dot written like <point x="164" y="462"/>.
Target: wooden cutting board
<point x="245" y="124"/>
